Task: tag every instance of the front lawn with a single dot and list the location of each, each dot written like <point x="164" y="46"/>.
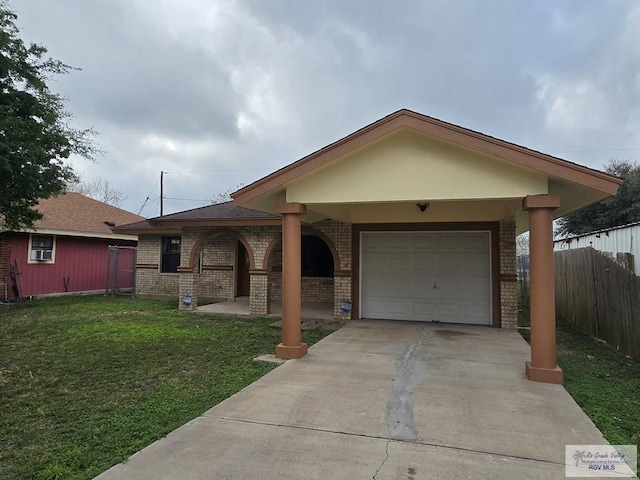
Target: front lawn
<point x="87" y="381"/>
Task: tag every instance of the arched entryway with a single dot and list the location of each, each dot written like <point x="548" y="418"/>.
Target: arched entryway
<point x="319" y="262"/>
<point x="243" y="266"/>
<point x="214" y="261"/>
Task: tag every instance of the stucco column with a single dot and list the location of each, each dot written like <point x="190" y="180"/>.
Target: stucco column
<point x="543" y="366"/>
<point x="291" y="346"/>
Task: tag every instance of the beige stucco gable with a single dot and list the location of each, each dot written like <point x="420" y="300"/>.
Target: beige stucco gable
<point x="409" y="166"/>
<point x="378" y="174"/>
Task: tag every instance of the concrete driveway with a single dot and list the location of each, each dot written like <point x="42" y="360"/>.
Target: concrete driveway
<point x="383" y="400"/>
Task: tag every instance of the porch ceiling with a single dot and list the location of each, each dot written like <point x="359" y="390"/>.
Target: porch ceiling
<point x="409" y="212"/>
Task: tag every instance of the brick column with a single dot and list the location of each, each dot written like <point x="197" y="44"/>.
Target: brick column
<point x="187" y="288"/>
<point x="258" y="293"/>
<point x="341" y="292"/>
<point x="291" y="346"/>
<point x="508" y="276"/>
<point x="543" y="366"/>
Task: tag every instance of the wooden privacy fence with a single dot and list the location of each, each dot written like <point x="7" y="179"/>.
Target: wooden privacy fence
<point x="600" y="297"/>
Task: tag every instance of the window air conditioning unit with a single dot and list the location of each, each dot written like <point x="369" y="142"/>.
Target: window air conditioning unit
<point x="42" y="255"/>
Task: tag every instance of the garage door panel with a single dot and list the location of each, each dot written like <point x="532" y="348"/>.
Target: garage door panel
<point x="450" y="264"/>
<point x="446" y="310"/>
<point x="398" y="263"/>
<point x="374" y="242"/>
<point x="399" y="271"/>
<point x="391" y="243"/>
<point x="469" y="288"/>
<point x="390" y="309"/>
<point x="423" y="264"/>
<point x="476" y="266"/>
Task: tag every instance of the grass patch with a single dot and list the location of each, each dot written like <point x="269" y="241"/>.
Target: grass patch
<point x="87" y="381"/>
<point x="603" y="381"/>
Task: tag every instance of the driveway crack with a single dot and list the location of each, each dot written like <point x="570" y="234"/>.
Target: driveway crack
<point x="410" y="373"/>
<point x="386" y="452"/>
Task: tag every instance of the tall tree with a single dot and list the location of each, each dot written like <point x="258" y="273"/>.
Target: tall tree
<point x="36" y="138"/>
<point x="99" y="189"/>
<point x="618" y="210"/>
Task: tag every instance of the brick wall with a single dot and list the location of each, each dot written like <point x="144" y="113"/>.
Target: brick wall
<point x="216" y="278"/>
<point x="259" y="238"/>
<point x="152" y="282"/>
<point x="259" y="301"/>
<point x="340" y="235"/>
<point x="215" y="285"/>
<point x="508" y="285"/>
<point x="314" y="289"/>
<point x="149" y="280"/>
<point x="218" y="253"/>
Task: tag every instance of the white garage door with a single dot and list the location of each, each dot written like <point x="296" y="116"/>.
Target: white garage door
<point x="426" y="276"/>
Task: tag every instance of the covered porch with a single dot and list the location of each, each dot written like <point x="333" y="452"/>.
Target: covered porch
<point x="409" y="173"/>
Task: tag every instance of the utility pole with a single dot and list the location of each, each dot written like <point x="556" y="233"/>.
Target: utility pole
<point x="161" y="192"/>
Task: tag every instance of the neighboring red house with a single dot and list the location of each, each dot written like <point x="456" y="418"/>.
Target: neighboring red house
<point x="68" y="249"/>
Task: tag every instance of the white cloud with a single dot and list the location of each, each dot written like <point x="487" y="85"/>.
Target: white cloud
<point x="573" y="106"/>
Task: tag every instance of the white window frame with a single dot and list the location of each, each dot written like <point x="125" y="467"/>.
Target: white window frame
<point x="30" y="252"/>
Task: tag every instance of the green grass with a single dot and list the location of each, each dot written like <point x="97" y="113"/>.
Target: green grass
<point x="603" y="381"/>
<point x="87" y="381"/>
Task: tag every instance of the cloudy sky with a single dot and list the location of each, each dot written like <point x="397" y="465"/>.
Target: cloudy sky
<point x="222" y="92"/>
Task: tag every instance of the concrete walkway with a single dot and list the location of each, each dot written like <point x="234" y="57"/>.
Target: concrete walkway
<point x="382" y="400"/>
<point x="240" y="308"/>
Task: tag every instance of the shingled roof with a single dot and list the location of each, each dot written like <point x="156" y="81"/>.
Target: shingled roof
<point x="73" y="212"/>
<point x="226" y="210"/>
<point x="221" y="214"/>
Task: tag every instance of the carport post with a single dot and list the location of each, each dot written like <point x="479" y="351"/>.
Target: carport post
<point x="291" y="346"/>
<point x="543" y="366"/>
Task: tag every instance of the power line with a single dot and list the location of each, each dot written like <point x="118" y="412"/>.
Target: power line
<point x="150" y="204"/>
<point x="181" y="172"/>
<point x="144" y="203"/>
<point x="186" y="199"/>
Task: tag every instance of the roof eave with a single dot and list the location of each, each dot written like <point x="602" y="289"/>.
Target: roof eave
<point x="223" y="222"/>
<point x="116" y="235"/>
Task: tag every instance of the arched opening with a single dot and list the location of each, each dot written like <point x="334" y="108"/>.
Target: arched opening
<point x="220" y="261"/>
<point x="318" y="265"/>
<point x="221" y="232"/>
<point x="317" y="259"/>
<point x="243" y="265"/>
